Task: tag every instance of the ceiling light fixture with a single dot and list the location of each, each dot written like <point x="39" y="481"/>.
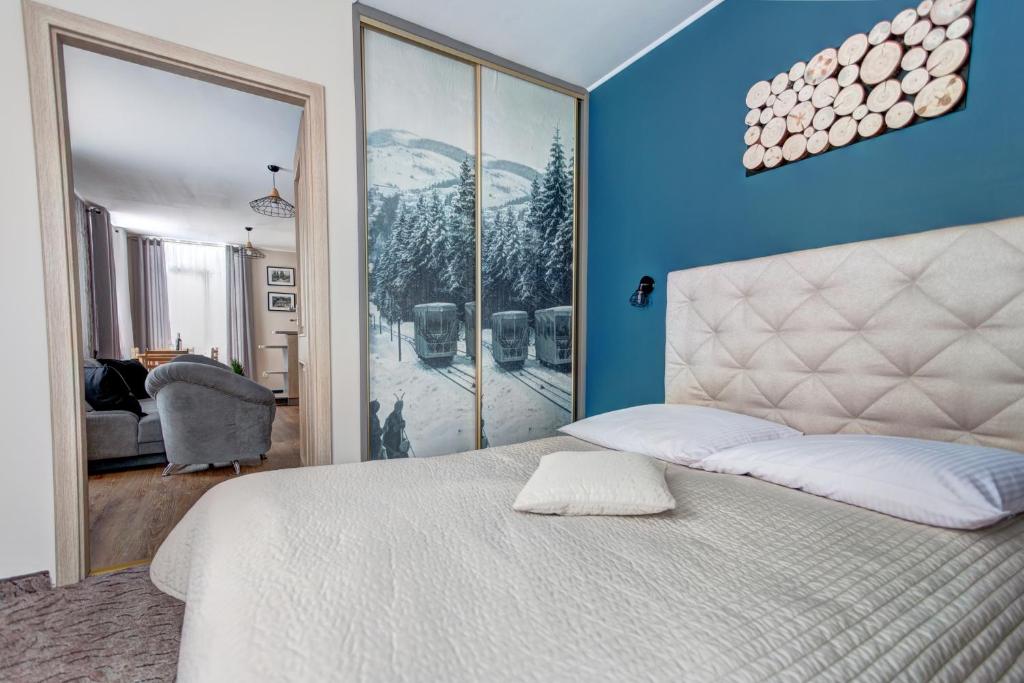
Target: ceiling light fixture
<point x="273" y="204"/>
<point x="249" y="251"/>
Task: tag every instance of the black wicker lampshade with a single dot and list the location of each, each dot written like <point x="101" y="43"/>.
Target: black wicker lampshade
<point x="249" y="251"/>
<point x="273" y="204"/>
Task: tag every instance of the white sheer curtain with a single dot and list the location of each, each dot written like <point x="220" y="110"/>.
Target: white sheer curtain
<point x="197" y="295"/>
<point x="123" y="302"/>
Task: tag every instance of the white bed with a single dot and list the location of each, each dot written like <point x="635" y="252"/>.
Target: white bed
<point x="420" y="570"/>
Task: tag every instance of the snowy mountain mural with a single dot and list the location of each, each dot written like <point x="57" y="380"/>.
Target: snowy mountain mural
<point x="399" y="162"/>
<point x="422" y="252"/>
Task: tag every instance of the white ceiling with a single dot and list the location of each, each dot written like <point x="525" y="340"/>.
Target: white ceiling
<point x="578" y="41"/>
<point x="175" y="157"/>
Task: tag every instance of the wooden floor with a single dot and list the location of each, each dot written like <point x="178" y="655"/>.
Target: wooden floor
<point x="130" y="513"/>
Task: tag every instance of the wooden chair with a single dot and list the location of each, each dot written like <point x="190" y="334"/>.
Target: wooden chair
<point x="154" y="358"/>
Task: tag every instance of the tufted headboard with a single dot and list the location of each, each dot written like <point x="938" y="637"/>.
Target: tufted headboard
<point x="920" y="335"/>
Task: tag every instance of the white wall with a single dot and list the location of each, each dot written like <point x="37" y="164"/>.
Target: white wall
<point x="310" y="39"/>
<point x="266" y="322"/>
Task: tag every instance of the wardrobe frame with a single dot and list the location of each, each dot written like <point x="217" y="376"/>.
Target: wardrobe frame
<point x="365" y="18"/>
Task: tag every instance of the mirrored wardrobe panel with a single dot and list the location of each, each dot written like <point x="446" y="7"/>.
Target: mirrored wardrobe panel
<point x="470" y="272"/>
<point x="420" y="123"/>
<point x="529" y="150"/>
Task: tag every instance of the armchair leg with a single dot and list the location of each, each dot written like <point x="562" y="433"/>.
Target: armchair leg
<point x="171" y="468"/>
<point x="238" y="469"/>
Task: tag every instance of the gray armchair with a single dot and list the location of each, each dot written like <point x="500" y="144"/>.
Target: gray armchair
<point x="209" y="414"/>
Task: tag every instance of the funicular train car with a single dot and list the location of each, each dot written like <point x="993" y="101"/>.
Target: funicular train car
<point x="436" y="327"/>
<point x="510" y="338"/>
<point x="469" y="321"/>
<point x="554" y="337"/>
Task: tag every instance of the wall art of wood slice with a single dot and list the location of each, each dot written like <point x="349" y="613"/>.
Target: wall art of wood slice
<point x="904" y="71"/>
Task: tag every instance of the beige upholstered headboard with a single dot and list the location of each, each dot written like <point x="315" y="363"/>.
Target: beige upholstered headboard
<point x="920" y="335"/>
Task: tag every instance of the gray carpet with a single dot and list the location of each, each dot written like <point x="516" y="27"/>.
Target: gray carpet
<point x="114" y="627"/>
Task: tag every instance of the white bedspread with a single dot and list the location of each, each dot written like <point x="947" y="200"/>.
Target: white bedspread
<point x="419" y="570"/>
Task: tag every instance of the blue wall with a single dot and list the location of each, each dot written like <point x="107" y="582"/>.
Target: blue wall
<point x="668" y="191"/>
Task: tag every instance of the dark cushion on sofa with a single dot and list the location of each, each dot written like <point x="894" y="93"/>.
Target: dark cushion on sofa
<point x="106" y="389"/>
<point x="134" y="374"/>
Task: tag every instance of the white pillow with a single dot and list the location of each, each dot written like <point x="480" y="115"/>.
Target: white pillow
<point x="932" y="482"/>
<point x="680" y="434"/>
<point x="596" y="483"/>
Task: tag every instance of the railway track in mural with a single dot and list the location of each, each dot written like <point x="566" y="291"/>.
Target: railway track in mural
<point x="465" y="380"/>
<point x="459" y="377"/>
<point x="556" y="395"/>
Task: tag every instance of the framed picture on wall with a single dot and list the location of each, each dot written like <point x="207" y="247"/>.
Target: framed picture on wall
<point x="280" y="276"/>
<point x="281" y="301"/>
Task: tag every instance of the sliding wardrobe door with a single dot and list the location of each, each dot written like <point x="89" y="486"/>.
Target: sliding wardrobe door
<point x="420" y="122"/>
<point x="528" y="228"/>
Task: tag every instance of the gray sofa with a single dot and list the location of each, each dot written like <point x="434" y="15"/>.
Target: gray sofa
<point x="112" y="434"/>
<point x="209" y="414"/>
<point x="200" y="412"/>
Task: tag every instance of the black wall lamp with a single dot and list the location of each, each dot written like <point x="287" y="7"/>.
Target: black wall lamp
<point x="641" y="297"/>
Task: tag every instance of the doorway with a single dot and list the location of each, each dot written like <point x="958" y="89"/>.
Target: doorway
<point x="304" y="431"/>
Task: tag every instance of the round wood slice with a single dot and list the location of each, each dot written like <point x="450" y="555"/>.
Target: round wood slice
<point x="842" y="132"/>
<point x="752" y="135"/>
<point x="817" y="143"/>
<point x="771" y="100"/>
<point x="808" y="132"/>
<point x="797" y="71"/>
<point x="916" y="34"/>
<point x="758" y="94"/>
<point x="860" y="112"/>
<point x="772" y="157"/>
<point x="924" y="8"/>
<point x="881" y="62"/>
<point x="884" y="95"/>
<point x="773" y="133"/>
<point x="945" y="12"/>
<point x="914" y="59"/>
<point x="903" y="21"/>
<point x="880" y="33"/>
<point x="800" y="117"/>
<point x="934" y="38"/>
<point x="915" y="81"/>
<point x="753" y="116"/>
<point x="753" y="158"/>
<point x="959" y="28"/>
<point x="822" y="66"/>
<point x="766" y="115"/>
<point x="939" y="96"/>
<point x="848" y="75"/>
<point x="784" y="103"/>
<point x="795" y="148"/>
<point x="900" y="115"/>
<point x="871" y="125"/>
<point x="948" y="58"/>
<point x="780" y="83"/>
<point x="824" y="118"/>
<point x="806" y="93"/>
<point x="848" y="99"/>
<point x="853" y="49"/>
<point x="825" y="93"/>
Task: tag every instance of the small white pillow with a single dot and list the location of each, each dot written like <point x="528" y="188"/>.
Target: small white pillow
<point x="680" y="434"/>
<point x="596" y="483"/>
<point x="942" y="484"/>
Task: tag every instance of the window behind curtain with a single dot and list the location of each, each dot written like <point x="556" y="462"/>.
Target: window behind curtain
<point x="197" y="295"/>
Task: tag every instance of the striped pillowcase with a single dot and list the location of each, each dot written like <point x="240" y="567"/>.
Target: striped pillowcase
<point x="951" y="485"/>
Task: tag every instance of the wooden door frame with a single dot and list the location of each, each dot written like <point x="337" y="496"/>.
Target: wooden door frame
<point x="47" y="30"/>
